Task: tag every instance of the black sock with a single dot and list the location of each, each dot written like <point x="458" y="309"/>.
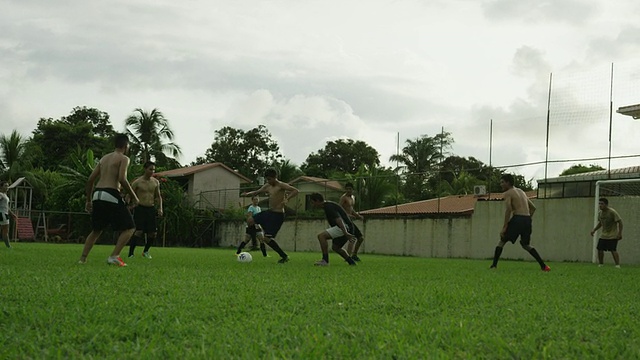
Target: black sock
<point x="325" y="257"/>
<point x="263" y="249"/>
<point x="240" y="247"/>
<point x="496" y="256"/>
<point x="132" y="244"/>
<point x="536" y="256"/>
<point x="148" y="244"/>
<point x="274" y="245"/>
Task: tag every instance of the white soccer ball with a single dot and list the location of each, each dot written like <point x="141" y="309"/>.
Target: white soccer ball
<point x="245" y="257"/>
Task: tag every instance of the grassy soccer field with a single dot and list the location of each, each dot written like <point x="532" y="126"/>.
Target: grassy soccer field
<point x="202" y="303"/>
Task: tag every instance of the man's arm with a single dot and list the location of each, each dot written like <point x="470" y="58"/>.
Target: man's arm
<point x="596" y="228"/>
<point x="88" y="188"/>
<point x="291" y="190"/>
<point x="620" y="226"/>
<point x="122" y="179"/>
<point x="158" y="196"/>
<point x="343" y="227"/>
<point x="508" y="211"/>
<point x="532" y="207"/>
<point x="262" y="189"/>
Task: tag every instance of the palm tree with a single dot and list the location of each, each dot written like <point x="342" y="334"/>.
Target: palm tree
<point x="12" y="150"/>
<point x="149" y="132"/>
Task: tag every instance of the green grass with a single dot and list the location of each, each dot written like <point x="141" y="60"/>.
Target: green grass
<point x="202" y="303"/>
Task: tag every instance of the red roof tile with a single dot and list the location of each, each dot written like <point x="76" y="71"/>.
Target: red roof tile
<point x="331" y="184"/>
<point x="189" y="170"/>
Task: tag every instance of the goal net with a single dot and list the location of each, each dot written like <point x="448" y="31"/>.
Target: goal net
<point x="624" y="197"/>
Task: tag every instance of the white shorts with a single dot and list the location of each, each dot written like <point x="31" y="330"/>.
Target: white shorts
<point x="335" y="232"/>
<point x="4" y="219"/>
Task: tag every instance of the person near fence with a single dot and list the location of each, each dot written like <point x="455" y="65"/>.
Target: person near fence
<point x="105" y="204"/>
<point x="147" y="188"/>
<point x="340" y="230"/>
<point x="347" y="201"/>
<point x="5" y="213"/>
<point x="517" y="221"/>
<point x="611" y="223"/>
<point x="253" y="232"/>
<point x="271" y="220"/>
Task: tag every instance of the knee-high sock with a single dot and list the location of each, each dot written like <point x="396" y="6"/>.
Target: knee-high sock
<point x="263" y="249"/>
<point x="274" y="245"/>
<point x="496" y="256"/>
<point x="148" y="244"/>
<point x="240" y="247"/>
<point x="132" y="243"/>
<point x="536" y="256"/>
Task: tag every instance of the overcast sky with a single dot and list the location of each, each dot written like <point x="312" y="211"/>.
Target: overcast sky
<point x="316" y="71"/>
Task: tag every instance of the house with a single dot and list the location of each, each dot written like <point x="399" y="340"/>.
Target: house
<point x="583" y="184"/>
<point x="330" y="190"/>
<point x="207" y="186"/>
<point x="456" y="205"/>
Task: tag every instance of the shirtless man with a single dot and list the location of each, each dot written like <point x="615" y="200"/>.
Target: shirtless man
<point x="148" y="190"/>
<point x="271" y="220"/>
<point x="347" y="201"/>
<point x="105" y="204"/>
<point x="517" y="221"/>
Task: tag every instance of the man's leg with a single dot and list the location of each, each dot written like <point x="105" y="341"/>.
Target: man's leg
<point x="274" y="245"/>
<point x="323" y="239"/>
<point x="535" y="255"/>
<point x="147" y="245"/>
<point x="5" y="235"/>
<point x="601" y="257"/>
<point x="337" y="247"/>
<point x="124" y="237"/>
<point x="616" y="257"/>
<point x="263" y="248"/>
<point x="137" y="235"/>
<point x="243" y="243"/>
<point x="354" y="253"/>
<point x="88" y="244"/>
<point x="496" y="253"/>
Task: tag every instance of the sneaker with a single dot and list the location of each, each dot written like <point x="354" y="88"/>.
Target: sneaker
<point x="116" y="261"/>
<point x="283" y="260"/>
<point x="146" y="254"/>
<point x="546" y="268"/>
<point x="82" y="261"/>
<point x="492" y="267"/>
<point x="131" y="255"/>
<point x="355" y="258"/>
<point x="321" y="263"/>
<point x="600" y="265"/>
<point x="617" y="266"/>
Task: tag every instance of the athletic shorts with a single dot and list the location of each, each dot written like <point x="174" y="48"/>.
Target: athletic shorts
<point x="607" y="245"/>
<point x="519" y="226"/>
<point x="145" y="219"/>
<point x="270" y="221"/>
<point x="4" y="219"/>
<point x="337" y="236"/>
<point x="110" y="209"/>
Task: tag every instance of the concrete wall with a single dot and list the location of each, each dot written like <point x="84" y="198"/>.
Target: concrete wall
<point x="215" y="187"/>
<point x="560" y="233"/>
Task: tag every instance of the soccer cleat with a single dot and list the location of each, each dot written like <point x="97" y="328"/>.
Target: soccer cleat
<point x="82" y="261"/>
<point x="546" y="268"/>
<point x="600" y="265"/>
<point x="321" y="263"/>
<point x="493" y="267"/>
<point x="355" y="258"/>
<point x="131" y="255"/>
<point x="617" y="266"/>
<point x="146" y="254"/>
<point x="116" y="261"/>
<point x="283" y="260"/>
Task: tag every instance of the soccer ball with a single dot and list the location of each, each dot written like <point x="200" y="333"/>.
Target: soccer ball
<point x="245" y="257"/>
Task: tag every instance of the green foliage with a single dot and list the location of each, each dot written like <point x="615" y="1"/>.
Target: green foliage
<point x="461" y="185"/>
<point x="374" y="187"/>
<point x="287" y="171"/>
<point x="197" y="303"/>
<point x="151" y="138"/>
<point x="247" y="152"/>
<point x="13" y="162"/>
<point x="579" y="169"/>
<point x="343" y="155"/>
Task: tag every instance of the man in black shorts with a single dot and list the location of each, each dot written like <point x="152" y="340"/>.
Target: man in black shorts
<point x="340" y="231"/>
<point x="148" y="190"/>
<point x="611" y="223"/>
<point x="105" y="203"/>
<point x="517" y="221"/>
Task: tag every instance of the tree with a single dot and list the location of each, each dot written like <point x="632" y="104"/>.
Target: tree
<point x="462" y="184"/>
<point x="453" y="166"/>
<point x="579" y="169"/>
<point x="151" y="138"/>
<point x="419" y="159"/>
<point x="248" y="152"/>
<point x="343" y="156"/>
<point x="374" y="186"/>
<point x="287" y="171"/>
<point x="12" y="150"/>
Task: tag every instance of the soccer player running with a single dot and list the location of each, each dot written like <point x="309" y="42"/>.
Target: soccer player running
<point x="517" y="221"/>
<point x="105" y="204"/>
<point x="611" y="223"/>
<point x="254" y="231"/>
<point x="340" y="231"/>
<point x="5" y="212"/>
<point x="347" y="201"/>
<point x="147" y="188"/>
<point x="271" y="220"/>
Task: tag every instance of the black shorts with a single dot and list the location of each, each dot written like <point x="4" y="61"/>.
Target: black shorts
<point x="607" y="245"/>
<point x="145" y="219"/>
<point x="270" y="221"/>
<point x="519" y="226"/>
<point x="110" y="209"/>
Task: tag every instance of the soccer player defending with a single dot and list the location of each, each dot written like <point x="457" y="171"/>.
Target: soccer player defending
<point x="105" y="204"/>
<point x="347" y="201"/>
<point x="517" y="221"/>
<point x="611" y="223"/>
<point x="144" y="215"/>
<point x="340" y="231"/>
<point x="271" y="220"/>
<point x="254" y="231"/>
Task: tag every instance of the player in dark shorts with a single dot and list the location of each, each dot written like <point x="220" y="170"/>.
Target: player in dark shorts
<point x="340" y="231"/>
<point x="145" y="219"/>
<point x="110" y="209"/>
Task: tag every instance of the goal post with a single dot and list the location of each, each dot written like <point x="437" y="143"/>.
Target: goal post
<point x="624" y="197"/>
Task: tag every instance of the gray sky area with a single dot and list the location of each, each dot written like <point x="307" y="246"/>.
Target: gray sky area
<point x="316" y="71"/>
